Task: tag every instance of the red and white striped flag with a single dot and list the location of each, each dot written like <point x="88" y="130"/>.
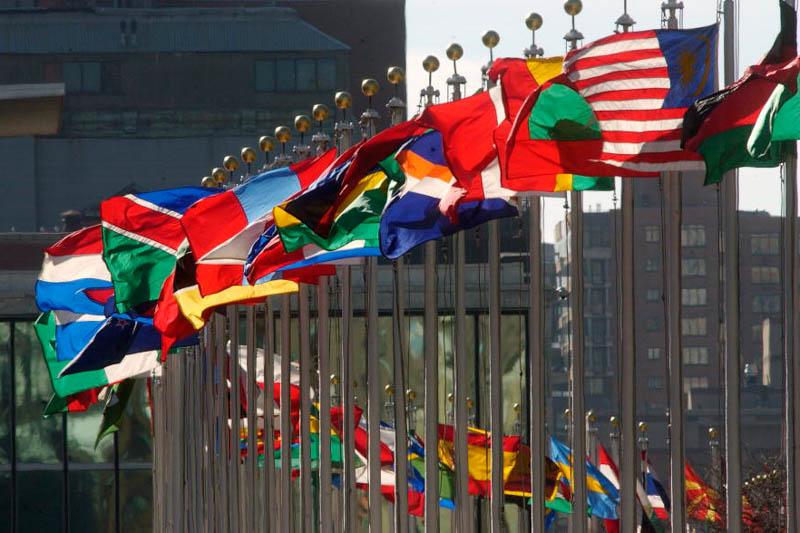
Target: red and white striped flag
<point x="639" y="86"/>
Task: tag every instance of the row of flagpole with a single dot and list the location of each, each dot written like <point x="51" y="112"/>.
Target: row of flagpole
<point x="212" y="374"/>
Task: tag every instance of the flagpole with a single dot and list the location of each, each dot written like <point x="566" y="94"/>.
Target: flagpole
<point x="235" y="414"/>
<point x="730" y="197"/>
<point x="397" y="107"/>
<point x="287" y="514"/>
<point x="431" y="360"/>
<point x="368" y="121"/>
<point x="579" y="522"/>
<point x="252" y="424"/>
<point x="791" y="299"/>
<point x="269" y="502"/>
<point x="344" y="137"/>
<point x="672" y="197"/>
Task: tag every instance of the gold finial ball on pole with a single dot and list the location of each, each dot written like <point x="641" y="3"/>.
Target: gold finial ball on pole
<point x="713" y="433"/>
<point x="643" y="427"/>
<point x="395" y="75"/>
<point x="370" y="87"/>
<point x="470" y="403"/>
<point x="334" y="379"/>
<point x="208" y="182"/>
<point x="614" y="422"/>
<point x="591" y="417"/>
<point x="343" y="100"/>
<point x="567" y="413"/>
<point x="534" y="21"/>
<point x="320" y="112"/>
<point x="490" y="39"/>
<point x="451" y="397"/>
<point x="516" y="407"/>
<point x="266" y="143"/>
<point x="219" y="175"/>
<point x="230" y="163"/>
<point x="573" y="7"/>
<point x="302" y="123"/>
<point x="283" y="134"/>
<point x="248" y="155"/>
<point x="389" y="390"/>
<point x="411" y="395"/>
<point x="430" y="64"/>
<point x="455" y="52"/>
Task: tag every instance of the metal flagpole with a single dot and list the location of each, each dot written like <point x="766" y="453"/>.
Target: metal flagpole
<point x="321" y="141"/>
<point x="287" y="516"/>
<point x="344" y="136"/>
<point x="368" y="122"/>
<point x="305" y="409"/>
<point x="730" y="197"/>
<point x="235" y="415"/>
<point x="431" y="368"/>
<point x="579" y="522"/>
<point x="252" y="424"/>
<point x="270" y="509"/>
<point x="396" y="106"/>
<point x="672" y="197"/>
<point x="535" y="342"/>
<point x="791" y="299"/>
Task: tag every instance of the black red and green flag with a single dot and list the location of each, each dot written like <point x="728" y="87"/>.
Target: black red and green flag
<point x="746" y="124"/>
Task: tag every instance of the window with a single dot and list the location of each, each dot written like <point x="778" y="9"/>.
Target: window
<point x="693" y="235"/>
<point x="693" y="267"/>
<point x="767" y="303"/>
<point x="694" y="383"/>
<point x="595" y="386"/>
<point x="302" y="75"/>
<point x="82" y="77"/>
<point x="650" y="265"/>
<point x="765" y="274"/>
<point x="695" y="355"/>
<point x="653" y="295"/>
<point x="764" y="244"/>
<point x="694" y="297"/>
<point x="655" y="382"/>
<point x="653" y="354"/>
<point x="652" y="234"/>
<point x="651" y="324"/>
<point x="598" y="237"/>
<point x="693" y="326"/>
<point x="597" y="271"/>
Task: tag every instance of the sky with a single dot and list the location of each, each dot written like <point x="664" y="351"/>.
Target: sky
<point x="433" y="24"/>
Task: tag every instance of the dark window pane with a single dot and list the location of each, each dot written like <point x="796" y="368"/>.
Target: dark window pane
<point x="72" y="77"/>
<point x="91" y="77"/>
<point x="265" y="75"/>
<point x="38" y="439"/>
<point x="134" y="435"/>
<point x="136" y="500"/>
<point x="5" y="395"/>
<point x="40" y="500"/>
<point x="285" y="77"/>
<point x="91" y="500"/>
<point x="81" y="434"/>
<point x="306" y="75"/>
<point x="326" y="74"/>
<point x="5" y="498"/>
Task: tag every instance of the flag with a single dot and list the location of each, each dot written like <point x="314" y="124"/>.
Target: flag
<point x="75" y="403"/>
<point x="222" y="228"/>
<point x="702" y="502"/>
<point x="617" y="110"/>
<point x="430" y="204"/>
<point x="118" y="397"/>
<point x="734" y="127"/>
<point x="602" y="496"/>
<point x="142" y="236"/>
<point x="609" y="469"/>
<point x="656" y="519"/>
<point x="268" y="256"/>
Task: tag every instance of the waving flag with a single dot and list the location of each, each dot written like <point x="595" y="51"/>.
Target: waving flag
<point x="602" y="496"/>
<point x="142" y="235"/>
<point x="618" y="110"/>
<point x="702" y="502"/>
<point x="734" y="127"/>
<point x="658" y="519"/>
<point x="221" y="229"/>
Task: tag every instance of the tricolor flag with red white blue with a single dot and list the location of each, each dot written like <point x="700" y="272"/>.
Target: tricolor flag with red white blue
<point x="142" y="239"/>
<point x="222" y="229"/>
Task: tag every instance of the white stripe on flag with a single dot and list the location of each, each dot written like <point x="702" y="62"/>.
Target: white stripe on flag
<point x="641" y="126"/>
<point x="674" y="166"/>
<point x="63" y="318"/>
<point x="632" y="66"/>
<point x="64" y="268"/>
<point x="616" y="47"/>
<point x="140" y="238"/>
<point x="628" y="105"/>
<point x="153" y="207"/>
<point x="132" y="365"/>
<point x="626" y="85"/>
<point x="641" y="148"/>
